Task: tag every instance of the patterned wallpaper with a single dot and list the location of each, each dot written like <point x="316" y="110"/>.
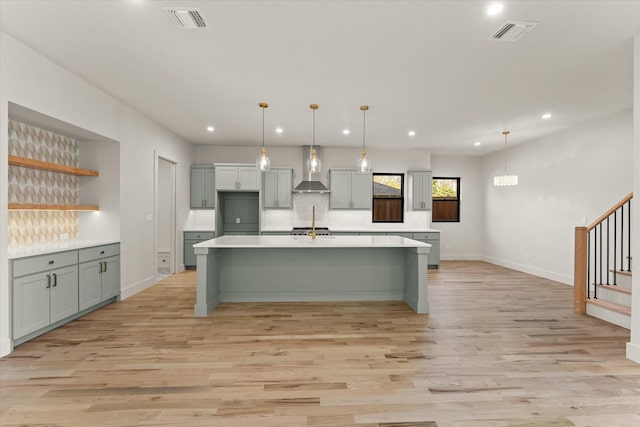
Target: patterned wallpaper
<point x="36" y="186"/>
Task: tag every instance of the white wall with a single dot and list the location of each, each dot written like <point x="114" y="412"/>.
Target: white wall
<point x="462" y="240"/>
<point x="332" y="158"/>
<point x="633" y="347"/>
<point x="33" y="81"/>
<point x="563" y="178"/>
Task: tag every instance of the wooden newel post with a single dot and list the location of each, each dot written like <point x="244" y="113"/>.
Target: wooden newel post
<point x="580" y="271"/>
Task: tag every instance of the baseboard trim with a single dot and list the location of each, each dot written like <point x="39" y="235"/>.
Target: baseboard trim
<point x="633" y="352"/>
<point x="137" y="287"/>
<point x="567" y="280"/>
<point x="5" y="347"/>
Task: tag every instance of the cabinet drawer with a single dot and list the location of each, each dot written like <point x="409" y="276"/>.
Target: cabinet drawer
<point x="43" y="262"/>
<point x="88" y="254"/>
<point x="427" y="236"/>
<point x="407" y="235"/>
<point x="198" y="235"/>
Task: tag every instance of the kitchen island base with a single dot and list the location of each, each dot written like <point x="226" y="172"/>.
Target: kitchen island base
<point x="330" y="270"/>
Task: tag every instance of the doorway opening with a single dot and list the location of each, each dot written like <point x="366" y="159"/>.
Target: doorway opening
<point x="165" y="216"/>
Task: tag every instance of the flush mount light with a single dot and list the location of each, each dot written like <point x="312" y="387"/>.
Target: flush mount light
<point x="412" y="133"/>
<point x="346" y="132"/>
<point x="477" y="143"/>
<point x="494" y="9"/>
<point x="210" y="128"/>
<point x="279" y="130"/>
<point x="546" y="116"/>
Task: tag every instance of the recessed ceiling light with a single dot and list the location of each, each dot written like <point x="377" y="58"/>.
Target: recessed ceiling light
<point x="412" y="133"/>
<point x="346" y="132"/>
<point x="210" y="128"/>
<point x="546" y="116"/>
<point x="278" y="130"/>
<point x="494" y="9"/>
<point x="477" y="143"/>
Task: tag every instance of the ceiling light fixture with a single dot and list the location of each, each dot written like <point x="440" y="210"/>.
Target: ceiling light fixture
<point x="364" y="166"/>
<point x="494" y="9"/>
<point x="477" y="143"/>
<point x="412" y="133"/>
<point x="346" y="132"/>
<point x="279" y="130"/>
<point x="263" y="162"/>
<point x="505" y="180"/>
<point x="210" y="128"/>
<point x="313" y="163"/>
<point x="546" y="116"/>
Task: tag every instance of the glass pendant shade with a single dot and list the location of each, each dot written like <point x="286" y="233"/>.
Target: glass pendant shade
<point x="364" y="166"/>
<point x="263" y="163"/>
<point x="314" y="165"/>
<point x="505" y="180"/>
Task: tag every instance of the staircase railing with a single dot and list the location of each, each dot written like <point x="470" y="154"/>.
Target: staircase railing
<point x="601" y="250"/>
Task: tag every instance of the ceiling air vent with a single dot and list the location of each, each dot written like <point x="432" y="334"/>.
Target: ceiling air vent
<point x="188" y="17"/>
<point x="513" y="30"/>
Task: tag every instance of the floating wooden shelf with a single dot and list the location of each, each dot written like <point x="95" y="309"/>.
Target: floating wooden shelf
<point x="51" y="167"/>
<point x="41" y="207"/>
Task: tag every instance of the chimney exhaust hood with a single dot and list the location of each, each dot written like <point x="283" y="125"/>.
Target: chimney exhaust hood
<point x="312" y="184"/>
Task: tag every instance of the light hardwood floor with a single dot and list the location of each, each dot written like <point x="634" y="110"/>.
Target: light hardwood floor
<point x="499" y="348"/>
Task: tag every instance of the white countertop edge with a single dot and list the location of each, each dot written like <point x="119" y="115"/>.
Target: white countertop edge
<point x="198" y="230"/>
<point x="344" y="230"/>
<point x="62" y="246"/>
<point x="297" y="242"/>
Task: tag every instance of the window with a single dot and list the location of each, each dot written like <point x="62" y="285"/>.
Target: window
<point x="388" y="197"/>
<point x="446" y="199"/>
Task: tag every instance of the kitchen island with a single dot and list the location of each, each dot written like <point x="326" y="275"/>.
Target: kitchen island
<point x="298" y="268"/>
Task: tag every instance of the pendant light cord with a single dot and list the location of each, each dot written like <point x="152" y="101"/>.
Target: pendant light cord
<point x="505" y="133"/>
<point x="263" y="127"/>
<point x="364" y="127"/>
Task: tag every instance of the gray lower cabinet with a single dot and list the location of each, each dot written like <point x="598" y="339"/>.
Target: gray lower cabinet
<point x="190" y="239"/>
<point x="49" y="290"/>
<point x="203" y="190"/>
<point x="433" y="238"/>
<point x="99" y="278"/>
<point x="277" y="188"/>
<point x="349" y="189"/>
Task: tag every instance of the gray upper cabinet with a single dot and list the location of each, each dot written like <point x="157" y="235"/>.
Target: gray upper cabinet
<point x="237" y="178"/>
<point x="349" y="189"/>
<point x="277" y="188"/>
<point x="420" y="190"/>
<point x="203" y="190"/>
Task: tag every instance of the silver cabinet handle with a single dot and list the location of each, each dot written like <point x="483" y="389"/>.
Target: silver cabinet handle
<point x="105" y="266"/>
<point x="48" y="281"/>
<point x="55" y="279"/>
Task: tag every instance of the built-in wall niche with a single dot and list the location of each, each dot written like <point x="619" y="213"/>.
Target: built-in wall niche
<point x="54" y="181"/>
<point x="238" y="213"/>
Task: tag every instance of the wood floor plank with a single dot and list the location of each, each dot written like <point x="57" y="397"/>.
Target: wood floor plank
<point x="499" y="348"/>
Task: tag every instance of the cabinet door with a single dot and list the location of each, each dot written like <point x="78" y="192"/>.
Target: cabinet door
<point x="197" y="188"/>
<point x="189" y="255"/>
<point x="248" y="178"/>
<point x="30" y="303"/>
<point x="285" y="187"/>
<point x="340" y="196"/>
<point x="417" y="192"/>
<point x="63" y="293"/>
<point x="226" y="178"/>
<point x="111" y="278"/>
<point x="89" y="284"/>
<point x="434" y="254"/>
<point x="361" y="191"/>
<point x="270" y="185"/>
<point x="426" y="189"/>
<point x="209" y="188"/>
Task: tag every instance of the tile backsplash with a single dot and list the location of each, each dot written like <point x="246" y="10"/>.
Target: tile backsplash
<point x="36" y="186"/>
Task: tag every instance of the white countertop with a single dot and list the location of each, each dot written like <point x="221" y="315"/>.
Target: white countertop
<point x="198" y="229"/>
<point x="60" y="246"/>
<point x="364" y="230"/>
<point x="308" y="242"/>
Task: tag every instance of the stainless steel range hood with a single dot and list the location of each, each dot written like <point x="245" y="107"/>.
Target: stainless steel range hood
<point x="312" y="184"/>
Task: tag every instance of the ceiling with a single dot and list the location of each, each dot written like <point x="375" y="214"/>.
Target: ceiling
<point x="426" y="66"/>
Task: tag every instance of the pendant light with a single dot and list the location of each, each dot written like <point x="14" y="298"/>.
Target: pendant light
<point x="313" y="163"/>
<point x="505" y="180"/>
<point x="263" y="163"/>
<point x="364" y="166"/>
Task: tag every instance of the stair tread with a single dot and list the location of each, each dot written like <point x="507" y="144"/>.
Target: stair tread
<point x="621" y="272"/>
<point x="611" y="306"/>
<point x="615" y="288"/>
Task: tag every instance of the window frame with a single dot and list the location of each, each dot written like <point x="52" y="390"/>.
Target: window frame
<point x="401" y="198"/>
<point x="435" y="200"/>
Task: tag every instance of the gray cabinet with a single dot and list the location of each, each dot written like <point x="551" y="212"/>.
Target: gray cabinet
<point x="190" y="239"/>
<point x="99" y="274"/>
<point x="237" y="178"/>
<point x="349" y="189"/>
<point x="277" y="188"/>
<point x="203" y="190"/>
<point x="41" y="296"/>
<point x="420" y="190"/>
<point x="433" y="238"/>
